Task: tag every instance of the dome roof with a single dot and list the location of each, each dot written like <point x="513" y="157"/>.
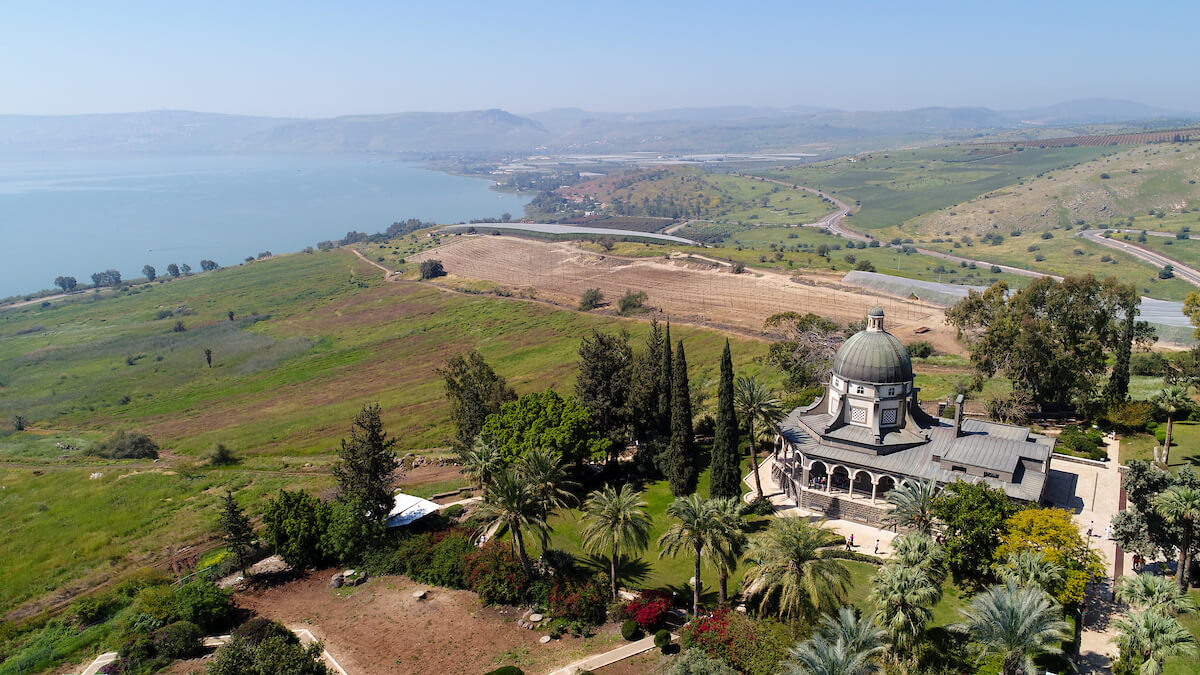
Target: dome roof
<point x="874" y="356"/>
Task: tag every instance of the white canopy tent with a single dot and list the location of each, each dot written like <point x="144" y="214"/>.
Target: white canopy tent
<point x="408" y="508"/>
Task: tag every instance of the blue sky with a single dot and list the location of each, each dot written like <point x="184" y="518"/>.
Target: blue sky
<point x="317" y="59"/>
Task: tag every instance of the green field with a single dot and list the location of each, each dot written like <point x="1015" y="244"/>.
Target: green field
<point x="892" y="187"/>
<point x="1066" y="254"/>
<point x="329" y="337"/>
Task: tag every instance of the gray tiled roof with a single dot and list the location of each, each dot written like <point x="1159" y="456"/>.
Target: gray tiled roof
<point x="873" y="356"/>
<point x="979" y="447"/>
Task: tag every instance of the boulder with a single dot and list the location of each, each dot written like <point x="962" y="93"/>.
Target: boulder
<point x="545" y="639"/>
<point x="535" y="617"/>
<point x="419" y="595"/>
<point x="337" y="581"/>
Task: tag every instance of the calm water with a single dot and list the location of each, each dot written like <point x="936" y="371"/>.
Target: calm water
<point x="73" y="217"/>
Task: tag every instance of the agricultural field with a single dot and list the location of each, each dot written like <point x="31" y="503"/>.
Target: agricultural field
<point x="1064" y="253"/>
<point x="890" y="188"/>
<point x="1109" y="188"/>
<point x="682" y="193"/>
<point x="314" y="338"/>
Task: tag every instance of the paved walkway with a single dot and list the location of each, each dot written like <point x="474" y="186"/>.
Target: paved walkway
<point x="620" y="653"/>
<point x="100" y="662"/>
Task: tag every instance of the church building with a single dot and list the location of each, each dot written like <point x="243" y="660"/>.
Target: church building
<point x="867" y="435"/>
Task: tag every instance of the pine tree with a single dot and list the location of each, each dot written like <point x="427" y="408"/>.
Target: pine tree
<point x="665" y="375"/>
<point x="726" y="463"/>
<point x="644" y="389"/>
<point x="236" y="530"/>
<point x="679" y="459"/>
<point x="367" y="463"/>
<point x="602" y="385"/>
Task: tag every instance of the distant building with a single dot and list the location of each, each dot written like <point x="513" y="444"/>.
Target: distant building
<point x="867" y="434"/>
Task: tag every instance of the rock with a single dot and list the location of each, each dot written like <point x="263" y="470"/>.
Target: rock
<point x="419" y="595"/>
<point x="535" y="617"/>
<point x="348" y="573"/>
<point x="337" y="581"/>
<point x="545" y="639"/>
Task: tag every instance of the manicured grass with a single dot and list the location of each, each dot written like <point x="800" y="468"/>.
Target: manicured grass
<point x="1186" y="665"/>
<point x="1185" y="446"/>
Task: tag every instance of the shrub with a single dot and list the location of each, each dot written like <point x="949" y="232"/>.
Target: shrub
<point x="649" y="609"/>
<point x="275" y="654"/>
<point x="495" y="574"/>
<point x="129" y="445"/>
<point x="260" y="628"/>
<point x="618" y="611"/>
<point x="1131" y="416"/>
<point x="631" y="301"/>
<point x="590" y="299"/>
<point x="1082" y="442"/>
<point x="745" y="644"/>
<point x="454" y="511"/>
<point x="506" y="670"/>
<point x="920" y="349"/>
<point x="696" y="662"/>
<point x="662" y="639"/>
<point x="203" y="603"/>
<point x="221" y="455"/>
<point x="431" y="269"/>
<point x="1147" y="363"/>
<point x="294" y="523"/>
<point x="179" y="640"/>
<point x="584" y="600"/>
<point x="761" y="506"/>
<point x="629" y="629"/>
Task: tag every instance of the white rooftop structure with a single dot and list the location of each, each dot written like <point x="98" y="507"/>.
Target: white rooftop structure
<point x="408" y="508"/>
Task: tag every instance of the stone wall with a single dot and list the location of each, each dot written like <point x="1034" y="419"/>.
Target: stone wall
<point x="843" y="508"/>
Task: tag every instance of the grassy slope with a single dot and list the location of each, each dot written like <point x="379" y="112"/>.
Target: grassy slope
<point x="1140" y="178"/>
<point x="895" y="186"/>
<point x="281" y="393"/>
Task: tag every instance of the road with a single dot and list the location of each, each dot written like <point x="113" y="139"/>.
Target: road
<point x="1188" y="274"/>
<point x="833" y="222"/>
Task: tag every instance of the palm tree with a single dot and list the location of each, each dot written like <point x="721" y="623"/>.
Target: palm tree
<point x="1016" y="623"/>
<point x="1171" y="401"/>
<point x="912" y="506"/>
<point x="481" y="461"/>
<point x="1030" y="568"/>
<point x="793" y="570"/>
<point x="615" y="523"/>
<point x="704" y="525"/>
<point x="921" y="552"/>
<point x="543" y="472"/>
<point x="761" y="410"/>
<point x="1152" y="637"/>
<point x="1180" y="504"/>
<point x="510" y="503"/>
<point x="1149" y="591"/>
<point x="904" y="596"/>
<point x="842" y="646"/>
<point x="730" y="543"/>
<point x="858" y="634"/>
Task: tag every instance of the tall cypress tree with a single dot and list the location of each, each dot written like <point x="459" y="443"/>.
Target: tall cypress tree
<point x="679" y="460"/>
<point x="236" y="530"/>
<point x="726" y="466"/>
<point x="665" y="375"/>
<point x="644" y="388"/>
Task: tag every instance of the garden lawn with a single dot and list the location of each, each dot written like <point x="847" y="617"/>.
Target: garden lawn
<point x="1185" y="445"/>
<point x="1186" y="665"/>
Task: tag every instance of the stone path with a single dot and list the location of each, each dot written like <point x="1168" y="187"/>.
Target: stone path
<point x="620" y="653"/>
<point x="100" y="662"/>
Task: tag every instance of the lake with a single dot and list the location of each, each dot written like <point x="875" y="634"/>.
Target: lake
<point x="73" y="217"/>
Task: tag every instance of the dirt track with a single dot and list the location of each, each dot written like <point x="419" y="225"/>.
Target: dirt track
<point x="691" y="291"/>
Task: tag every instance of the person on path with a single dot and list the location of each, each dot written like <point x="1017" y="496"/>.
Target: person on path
<point x="876" y="547"/>
<point x="1108" y="531"/>
<point x="1090" y="524"/>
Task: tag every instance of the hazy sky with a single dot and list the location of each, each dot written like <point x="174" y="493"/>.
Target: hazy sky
<point x="317" y="59"/>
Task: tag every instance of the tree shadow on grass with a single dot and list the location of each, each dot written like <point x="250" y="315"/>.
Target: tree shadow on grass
<point x="630" y="571"/>
<point x="709" y="594"/>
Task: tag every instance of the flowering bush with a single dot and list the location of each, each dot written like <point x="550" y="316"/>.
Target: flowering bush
<point x="649" y="609"/>
<point x="495" y="573"/>
<point x="748" y="646"/>
<point x="585" y="600"/>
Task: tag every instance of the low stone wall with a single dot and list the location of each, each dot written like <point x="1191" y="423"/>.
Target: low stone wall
<point x="844" y="508"/>
<point x="1060" y="457"/>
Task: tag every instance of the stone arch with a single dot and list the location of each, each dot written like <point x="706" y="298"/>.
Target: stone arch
<point x="818" y="472"/>
<point x="861" y="482"/>
<point x="839" y="478"/>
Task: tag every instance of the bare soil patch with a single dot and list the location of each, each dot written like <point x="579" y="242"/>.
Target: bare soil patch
<point x="380" y="628"/>
<point x="693" y="291"/>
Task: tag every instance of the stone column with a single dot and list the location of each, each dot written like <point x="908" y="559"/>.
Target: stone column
<point x="874" y="489"/>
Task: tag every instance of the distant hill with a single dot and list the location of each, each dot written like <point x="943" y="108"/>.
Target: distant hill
<point x="678" y="130"/>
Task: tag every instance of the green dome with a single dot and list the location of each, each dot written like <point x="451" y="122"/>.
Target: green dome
<point x="874" y="356"/>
